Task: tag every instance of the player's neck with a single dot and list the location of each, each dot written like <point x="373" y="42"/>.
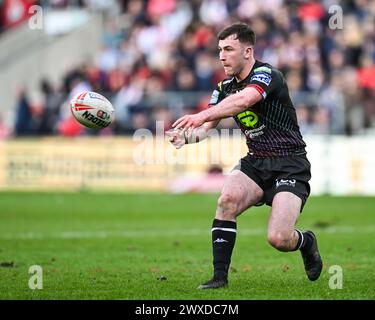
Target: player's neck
<point x="245" y="71"/>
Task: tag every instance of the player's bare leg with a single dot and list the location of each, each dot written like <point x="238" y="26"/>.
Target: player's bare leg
<point x="283" y="236"/>
<point x="239" y="193"/>
<point x="284" y="214"/>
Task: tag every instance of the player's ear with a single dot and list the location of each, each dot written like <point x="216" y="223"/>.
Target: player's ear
<point x="248" y="52"/>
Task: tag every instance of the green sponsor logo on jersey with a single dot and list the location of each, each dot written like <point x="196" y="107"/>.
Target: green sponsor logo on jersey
<point x="263" y="69"/>
<point x="247" y="118"/>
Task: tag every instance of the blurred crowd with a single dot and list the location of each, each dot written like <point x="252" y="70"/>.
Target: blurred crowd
<point x="159" y="60"/>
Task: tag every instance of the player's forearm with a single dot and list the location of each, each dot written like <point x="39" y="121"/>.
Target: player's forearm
<point x="228" y="107"/>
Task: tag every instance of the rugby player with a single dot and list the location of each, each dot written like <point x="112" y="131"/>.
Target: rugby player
<point x="275" y="172"/>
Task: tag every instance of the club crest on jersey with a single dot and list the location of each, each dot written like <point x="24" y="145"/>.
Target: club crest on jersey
<point x="262" y="77"/>
<point x="248" y="119"/>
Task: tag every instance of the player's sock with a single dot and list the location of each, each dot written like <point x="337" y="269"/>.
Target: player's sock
<point x="223" y="240"/>
<point x="305" y="240"/>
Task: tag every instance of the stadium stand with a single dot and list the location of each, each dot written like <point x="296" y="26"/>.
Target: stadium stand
<point x="158" y="60"/>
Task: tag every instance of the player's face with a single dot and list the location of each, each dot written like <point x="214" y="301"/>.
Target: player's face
<point x="233" y="55"/>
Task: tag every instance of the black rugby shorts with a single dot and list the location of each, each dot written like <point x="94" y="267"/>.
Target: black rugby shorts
<point x="273" y="175"/>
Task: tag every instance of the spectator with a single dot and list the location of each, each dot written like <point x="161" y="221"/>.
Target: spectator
<point x="24" y="125"/>
<point x="50" y="112"/>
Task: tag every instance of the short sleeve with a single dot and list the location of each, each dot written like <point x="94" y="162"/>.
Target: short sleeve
<point x="265" y="80"/>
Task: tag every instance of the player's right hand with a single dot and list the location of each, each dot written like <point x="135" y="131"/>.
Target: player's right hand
<point x="176" y="137"/>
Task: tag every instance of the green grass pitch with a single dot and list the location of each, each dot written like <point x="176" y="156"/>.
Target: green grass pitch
<point x="158" y="246"/>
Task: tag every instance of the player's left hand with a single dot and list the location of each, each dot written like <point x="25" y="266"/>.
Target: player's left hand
<point x="189" y="121"/>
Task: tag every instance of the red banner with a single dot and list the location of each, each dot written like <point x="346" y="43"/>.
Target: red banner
<point x="14" y="12"/>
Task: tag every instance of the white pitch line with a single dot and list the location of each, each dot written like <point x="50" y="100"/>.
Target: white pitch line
<point x="163" y="233"/>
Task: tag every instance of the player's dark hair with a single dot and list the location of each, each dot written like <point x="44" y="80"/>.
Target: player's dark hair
<point x="242" y="32"/>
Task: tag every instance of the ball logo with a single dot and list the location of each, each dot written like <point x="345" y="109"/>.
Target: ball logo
<point x="95" y="120"/>
<point x="102" y="114"/>
<point x="248" y="119"/>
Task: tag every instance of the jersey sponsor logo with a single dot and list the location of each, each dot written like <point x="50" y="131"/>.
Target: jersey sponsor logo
<point x="263" y="69"/>
<point x="247" y="118"/>
<point x="214" y="97"/>
<point x="285" y="182"/>
<point x="262" y="77"/>
<point x="253" y="133"/>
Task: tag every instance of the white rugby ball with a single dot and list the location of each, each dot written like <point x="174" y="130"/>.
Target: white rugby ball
<point x="92" y="110"/>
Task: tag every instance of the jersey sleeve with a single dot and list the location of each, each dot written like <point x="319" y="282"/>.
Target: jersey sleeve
<point x="265" y="80"/>
<point x="216" y="95"/>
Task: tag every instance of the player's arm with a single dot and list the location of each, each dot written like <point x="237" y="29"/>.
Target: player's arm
<point x="230" y="106"/>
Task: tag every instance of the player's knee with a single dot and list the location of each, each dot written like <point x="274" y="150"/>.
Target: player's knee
<point x="278" y="240"/>
<point x="227" y="206"/>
